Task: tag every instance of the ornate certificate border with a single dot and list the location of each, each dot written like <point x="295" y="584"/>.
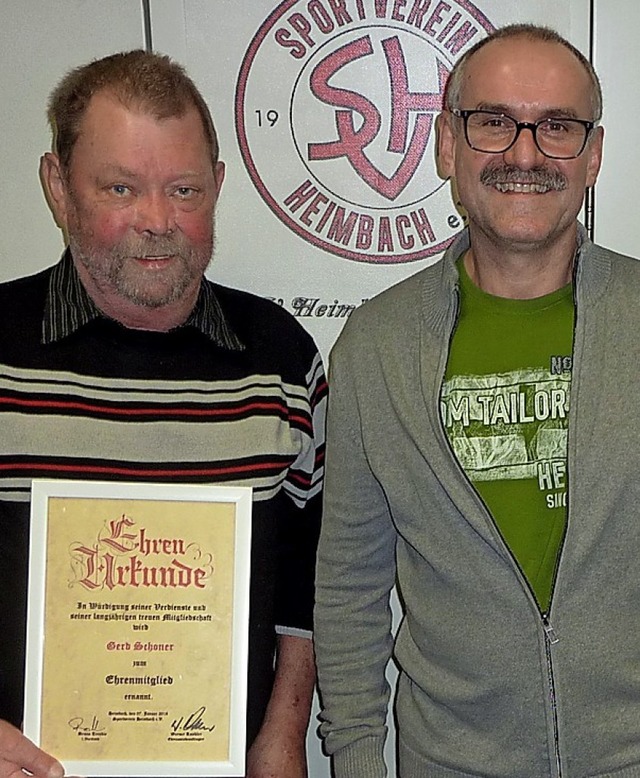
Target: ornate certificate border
<point x="137" y="635"/>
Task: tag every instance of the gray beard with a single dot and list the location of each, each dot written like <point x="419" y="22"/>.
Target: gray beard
<point x="113" y="273"/>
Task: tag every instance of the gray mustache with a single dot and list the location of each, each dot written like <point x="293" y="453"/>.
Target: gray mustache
<point x="507" y="174"/>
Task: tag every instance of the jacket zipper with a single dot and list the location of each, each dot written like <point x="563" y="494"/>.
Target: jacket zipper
<point x="550" y="636"/>
<point x="550" y="639"/>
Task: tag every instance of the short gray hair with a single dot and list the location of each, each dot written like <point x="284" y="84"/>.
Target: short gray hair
<point x="531" y="32"/>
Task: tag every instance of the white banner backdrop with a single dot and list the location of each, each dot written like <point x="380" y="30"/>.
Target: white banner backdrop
<point x="39" y="42"/>
<point x="325" y="111"/>
<point x="617" y="60"/>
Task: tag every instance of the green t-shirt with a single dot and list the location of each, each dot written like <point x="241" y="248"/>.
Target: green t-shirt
<point x="505" y="404"/>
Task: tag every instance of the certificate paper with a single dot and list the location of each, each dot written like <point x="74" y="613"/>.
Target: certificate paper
<point x="137" y="627"/>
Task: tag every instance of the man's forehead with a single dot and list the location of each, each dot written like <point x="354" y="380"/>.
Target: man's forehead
<point x="110" y="101"/>
<point x="518" y="47"/>
<point x="525" y="71"/>
<point x="115" y="138"/>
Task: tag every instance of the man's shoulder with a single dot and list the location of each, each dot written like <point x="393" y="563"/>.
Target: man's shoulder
<point x="400" y="308"/>
<point x="613" y="256"/>
<point x="25" y="285"/>
<point x="610" y="272"/>
<point x="22" y="299"/>
<point x="260" y="322"/>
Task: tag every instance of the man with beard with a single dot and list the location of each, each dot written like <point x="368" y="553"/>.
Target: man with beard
<point x="123" y="362"/>
<point x="482" y="452"/>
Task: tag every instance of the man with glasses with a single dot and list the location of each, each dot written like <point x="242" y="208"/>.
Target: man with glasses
<point x="483" y="455"/>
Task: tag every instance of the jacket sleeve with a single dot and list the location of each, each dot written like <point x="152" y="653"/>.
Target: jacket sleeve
<point x="355" y="575"/>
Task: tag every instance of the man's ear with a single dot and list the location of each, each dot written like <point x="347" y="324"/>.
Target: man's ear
<point x="218" y="176"/>
<point x="54" y="185"/>
<point x="445" y="157"/>
<point x="594" y="151"/>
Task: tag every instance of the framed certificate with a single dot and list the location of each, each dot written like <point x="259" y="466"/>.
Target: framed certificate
<point x="137" y="635"/>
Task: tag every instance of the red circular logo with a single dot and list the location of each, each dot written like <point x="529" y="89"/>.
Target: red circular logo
<point x="335" y="108"/>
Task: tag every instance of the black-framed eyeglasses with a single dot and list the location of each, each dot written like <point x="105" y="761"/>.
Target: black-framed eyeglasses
<point x="494" y="133"/>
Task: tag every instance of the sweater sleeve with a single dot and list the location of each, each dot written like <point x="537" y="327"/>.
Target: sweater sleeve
<point x="301" y="508"/>
<point x="355" y="575"/>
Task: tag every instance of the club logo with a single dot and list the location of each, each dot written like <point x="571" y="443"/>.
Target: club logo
<point x="335" y="111"/>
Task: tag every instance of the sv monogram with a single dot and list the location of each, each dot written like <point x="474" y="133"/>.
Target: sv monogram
<point x="352" y="142"/>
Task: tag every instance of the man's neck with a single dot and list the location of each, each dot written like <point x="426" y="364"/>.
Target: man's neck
<point x="137" y="317"/>
<point x="141" y="317"/>
<point x="520" y="273"/>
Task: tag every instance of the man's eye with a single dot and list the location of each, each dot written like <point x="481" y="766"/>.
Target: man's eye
<point x="120" y="189"/>
<point x="490" y="122"/>
<point x="555" y="127"/>
<point x="186" y="192"/>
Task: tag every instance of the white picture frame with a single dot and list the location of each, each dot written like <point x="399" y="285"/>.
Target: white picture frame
<point x="116" y="606"/>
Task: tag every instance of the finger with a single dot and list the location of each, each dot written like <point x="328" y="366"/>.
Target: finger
<point x="18" y="753"/>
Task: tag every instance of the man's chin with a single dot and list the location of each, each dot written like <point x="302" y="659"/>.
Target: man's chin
<point x="152" y="296"/>
<point x="522" y="233"/>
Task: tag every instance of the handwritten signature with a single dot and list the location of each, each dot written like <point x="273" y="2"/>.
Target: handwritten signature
<point x="77" y="724"/>
<point x="194" y="722"/>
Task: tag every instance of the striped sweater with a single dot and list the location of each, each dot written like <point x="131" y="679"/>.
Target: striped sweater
<point x="108" y="403"/>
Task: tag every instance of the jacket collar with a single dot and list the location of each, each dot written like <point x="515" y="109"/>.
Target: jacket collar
<point x="591" y="276"/>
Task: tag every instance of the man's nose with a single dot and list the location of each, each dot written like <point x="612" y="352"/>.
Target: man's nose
<point x="524" y="153"/>
<point x="156" y="214"/>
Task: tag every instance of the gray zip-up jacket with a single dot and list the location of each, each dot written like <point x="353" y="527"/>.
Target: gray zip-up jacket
<point x="489" y="686"/>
